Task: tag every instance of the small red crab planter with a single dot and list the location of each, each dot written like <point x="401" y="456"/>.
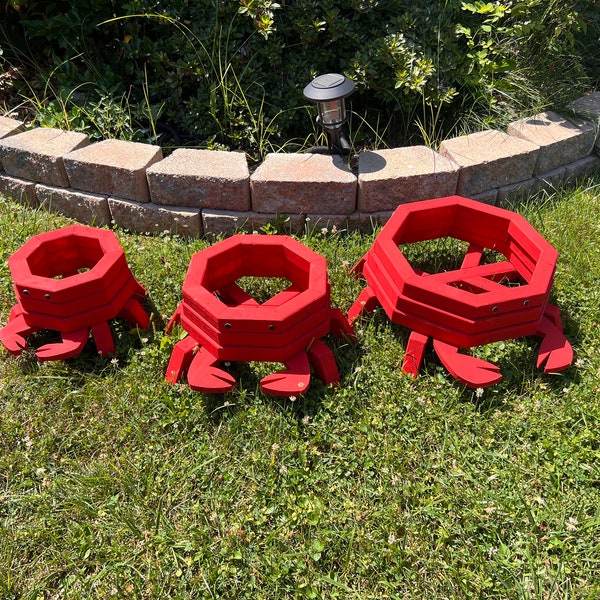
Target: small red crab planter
<point x="71" y="280"/>
<point x="225" y="323"/>
<point x="474" y="305"/>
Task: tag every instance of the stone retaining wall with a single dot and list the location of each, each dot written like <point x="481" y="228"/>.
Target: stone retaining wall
<point x="201" y="192"/>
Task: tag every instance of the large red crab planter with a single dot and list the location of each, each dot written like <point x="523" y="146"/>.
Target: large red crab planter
<point x="225" y="323"/>
<point x="71" y="280"/>
<point x="474" y="305"/>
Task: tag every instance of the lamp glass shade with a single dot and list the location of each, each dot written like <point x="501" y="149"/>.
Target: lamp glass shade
<point x="332" y="113"/>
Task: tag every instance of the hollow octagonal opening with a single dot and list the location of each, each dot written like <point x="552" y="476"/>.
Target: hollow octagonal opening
<point x="244" y="258"/>
<point x="64" y="257"/>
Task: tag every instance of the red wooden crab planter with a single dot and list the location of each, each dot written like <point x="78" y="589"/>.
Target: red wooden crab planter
<point x="474" y="305"/>
<point x="71" y="280"/>
<point x="225" y="323"/>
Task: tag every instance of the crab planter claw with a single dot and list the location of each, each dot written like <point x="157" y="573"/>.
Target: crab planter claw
<point x="479" y="303"/>
<point x="71" y="280"/>
<point x="224" y="323"/>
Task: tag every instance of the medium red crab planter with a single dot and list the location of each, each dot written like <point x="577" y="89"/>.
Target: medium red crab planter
<point x="474" y="305"/>
<point x="71" y="280"/>
<point x="225" y="323"/>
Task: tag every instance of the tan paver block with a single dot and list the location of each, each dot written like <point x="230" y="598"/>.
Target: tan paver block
<point x="553" y="179"/>
<point x="84" y="207"/>
<point x="582" y="168"/>
<point x="518" y="191"/>
<point x="18" y="190"/>
<point x="113" y="168"/>
<point x="487" y="197"/>
<point x="201" y="179"/>
<point x="37" y="154"/>
<point x="560" y="140"/>
<point x="10" y="126"/>
<point x="228" y="222"/>
<point x="588" y="107"/>
<point x="490" y="159"/>
<point x="301" y="183"/>
<point x="387" y="178"/>
<point x="146" y="217"/>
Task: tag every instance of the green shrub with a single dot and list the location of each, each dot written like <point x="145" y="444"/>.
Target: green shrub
<point x="231" y="72"/>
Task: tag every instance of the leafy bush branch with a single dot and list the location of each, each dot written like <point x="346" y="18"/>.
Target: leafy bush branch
<point x="231" y="72"/>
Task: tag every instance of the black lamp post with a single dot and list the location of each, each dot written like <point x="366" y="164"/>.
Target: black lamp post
<point x="329" y="91"/>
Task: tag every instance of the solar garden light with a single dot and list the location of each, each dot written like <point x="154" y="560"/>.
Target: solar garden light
<point x="329" y="91"/>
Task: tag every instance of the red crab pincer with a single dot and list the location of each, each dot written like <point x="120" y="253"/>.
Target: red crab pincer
<point x="225" y="323"/>
<point x="477" y="304"/>
<point x="71" y="280"/>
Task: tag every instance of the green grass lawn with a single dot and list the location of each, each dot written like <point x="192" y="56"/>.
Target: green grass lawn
<point x="116" y="484"/>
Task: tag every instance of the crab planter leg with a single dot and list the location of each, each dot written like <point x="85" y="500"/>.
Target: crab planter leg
<point x="555" y="350"/>
<point x="204" y="376"/>
<point x="366" y="302"/>
<point x="291" y="382"/>
<point x="415" y="349"/>
<point x="103" y="338"/>
<point x="181" y="357"/>
<point x="323" y="360"/>
<point x="176" y="318"/>
<point x="13" y="334"/>
<point x="340" y="326"/>
<point x="133" y="312"/>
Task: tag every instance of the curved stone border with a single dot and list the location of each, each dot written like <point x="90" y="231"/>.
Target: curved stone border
<point x="201" y="192"/>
